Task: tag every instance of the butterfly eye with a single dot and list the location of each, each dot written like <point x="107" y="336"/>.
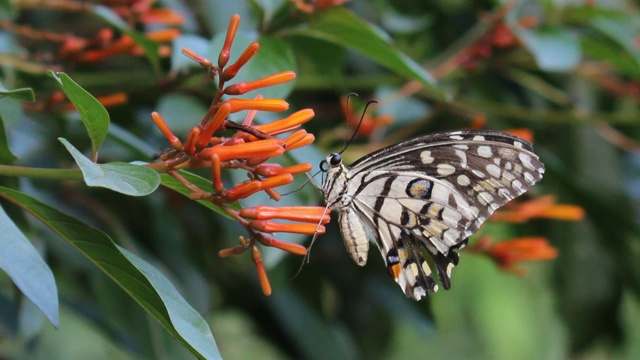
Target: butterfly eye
<point x="335" y="159"/>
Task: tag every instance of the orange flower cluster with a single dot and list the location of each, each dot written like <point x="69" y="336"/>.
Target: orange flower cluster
<point x="136" y="13"/>
<point x="248" y="149"/>
<point x="499" y="36"/>
<point x="105" y="42"/>
<point x="510" y="252"/>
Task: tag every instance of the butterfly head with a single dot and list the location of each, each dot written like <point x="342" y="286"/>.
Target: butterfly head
<point x="333" y="160"/>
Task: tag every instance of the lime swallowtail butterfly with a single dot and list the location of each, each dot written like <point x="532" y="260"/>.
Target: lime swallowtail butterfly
<point x="426" y="196"/>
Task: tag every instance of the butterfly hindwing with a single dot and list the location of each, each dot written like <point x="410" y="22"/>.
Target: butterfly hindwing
<point x="414" y="214"/>
<point x="426" y="196"/>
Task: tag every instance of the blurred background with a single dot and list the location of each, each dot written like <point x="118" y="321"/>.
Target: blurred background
<point x="563" y="73"/>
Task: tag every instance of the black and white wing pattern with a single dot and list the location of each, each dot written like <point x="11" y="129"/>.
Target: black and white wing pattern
<point x="426" y="196"/>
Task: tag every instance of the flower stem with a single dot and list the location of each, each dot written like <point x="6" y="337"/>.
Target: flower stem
<point x="53" y="174"/>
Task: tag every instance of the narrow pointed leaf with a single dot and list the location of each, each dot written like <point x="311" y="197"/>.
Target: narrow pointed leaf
<point x="128" y="179"/>
<point x="94" y="116"/>
<point x="22" y="94"/>
<point x="6" y="156"/>
<point x="140" y="280"/>
<point x="187" y="322"/>
<point x="26" y="268"/>
<point x="342" y="27"/>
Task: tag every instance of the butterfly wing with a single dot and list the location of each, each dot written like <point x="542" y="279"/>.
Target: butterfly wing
<point x="431" y="193"/>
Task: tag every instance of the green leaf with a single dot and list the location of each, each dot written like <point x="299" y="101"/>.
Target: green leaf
<point x="274" y="56"/>
<point x="181" y="112"/>
<point x="269" y="8"/>
<point x="128" y="179"/>
<point x="149" y="46"/>
<point x="187" y="322"/>
<point x="621" y="31"/>
<point x="144" y="283"/>
<point x="306" y="329"/>
<point x="7" y="9"/>
<point x="26" y="268"/>
<point x="342" y="27"/>
<point x="6" y="156"/>
<point x="80" y="337"/>
<point x="94" y="116"/>
<point x="22" y="94"/>
<point x="553" y="50"/>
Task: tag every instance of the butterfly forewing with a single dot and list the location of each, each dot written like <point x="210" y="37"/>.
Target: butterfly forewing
<point x="428" y="193"/>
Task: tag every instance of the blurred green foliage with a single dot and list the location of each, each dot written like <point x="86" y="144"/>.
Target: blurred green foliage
<point x="570" y="74"/>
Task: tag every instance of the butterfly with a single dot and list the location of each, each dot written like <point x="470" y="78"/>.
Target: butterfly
<point x="426" y="196"/>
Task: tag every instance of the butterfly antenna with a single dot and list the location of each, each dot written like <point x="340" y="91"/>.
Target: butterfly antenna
<point x="355" y="132"/>
<point x="305" y="260"/>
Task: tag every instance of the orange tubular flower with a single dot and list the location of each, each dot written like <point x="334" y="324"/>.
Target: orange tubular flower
<point x="544" y="207"/>
<point x="190" y="146"/>
<point x="289" y="123"/>
<point x="296" y="169"/>
<point x="216" y="172"/>
<point x="162" y="17"/>
<point x="306" y="140"/>
<point x="275" y="169"/>
<point x="164" y="129"/>
<point x="230" y="72"/>
<point x="503" y="37"/>
<point x="278" y="180"/>
<point x="244" y="190"/>
<point x="244" y="87"/>
<point x="231" y="251"/>
<point x="267" y="240"/>
<point x="522" y="133"/>
<point x="509" y="253"/>
<point x="113" y="99"/>
<point x="295" y="137"/>
<point x="274" y="195"/>
<point x="478" y="122"/>
<point x="260" y="148"/>
<point x="223" y="58"/>
<point x="309" y="214"/>
<point x="271" y="227"/>
<point x="106" y="100"/>
<point x="256" y="256"/>
<point x="164" y="35"/>
<point x="204" y="62"/>
<point x="274" y="105"/>
<point x="205" y="137"/>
